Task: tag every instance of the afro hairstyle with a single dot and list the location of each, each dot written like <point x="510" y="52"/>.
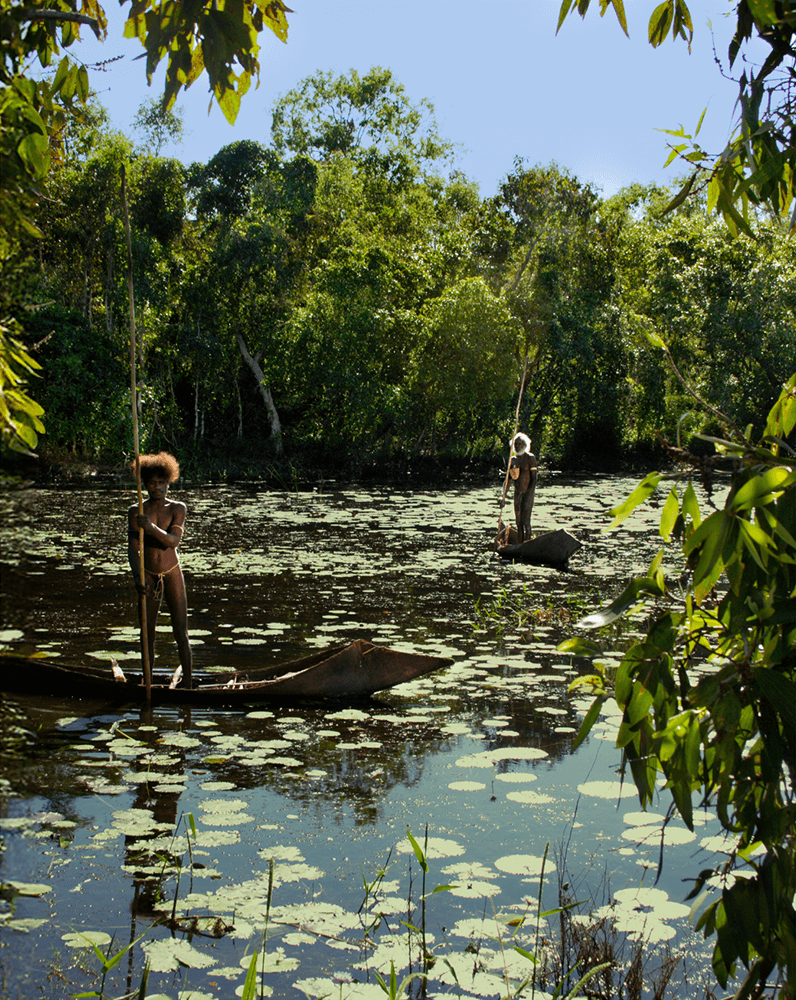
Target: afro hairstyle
<point x="163" y="462"/>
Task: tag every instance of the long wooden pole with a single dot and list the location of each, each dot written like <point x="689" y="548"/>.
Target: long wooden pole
<point x="516" y="425"/>
<point x="145" y="665"/>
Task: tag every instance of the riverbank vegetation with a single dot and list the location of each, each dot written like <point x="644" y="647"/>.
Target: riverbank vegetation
<point x="339" y="295"/>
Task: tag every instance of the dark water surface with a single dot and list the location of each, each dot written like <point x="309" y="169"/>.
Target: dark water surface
<point x="281" y="819"/>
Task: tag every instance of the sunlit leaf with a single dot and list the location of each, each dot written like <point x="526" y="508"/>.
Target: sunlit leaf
<point x="640" y="494"/>
<point x="636" y="589"/>
<point x="762" y="489"/>
<point x="669" y="515"/>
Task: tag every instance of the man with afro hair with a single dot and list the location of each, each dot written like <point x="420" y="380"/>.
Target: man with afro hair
<point x="163" y="521"/>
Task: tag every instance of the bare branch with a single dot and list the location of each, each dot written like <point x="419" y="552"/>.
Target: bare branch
<point x="38" y="14"/>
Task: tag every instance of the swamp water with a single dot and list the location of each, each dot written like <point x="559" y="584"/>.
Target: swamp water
<point x="195" y="839"/>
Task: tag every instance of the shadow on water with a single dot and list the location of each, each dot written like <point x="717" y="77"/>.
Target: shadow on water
<point x="113" y="819"/>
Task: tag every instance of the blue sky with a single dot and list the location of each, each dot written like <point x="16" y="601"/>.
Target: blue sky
<point x="502" y="82"/>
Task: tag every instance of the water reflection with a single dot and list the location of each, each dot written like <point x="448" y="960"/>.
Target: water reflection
<point x="270" y="574"/>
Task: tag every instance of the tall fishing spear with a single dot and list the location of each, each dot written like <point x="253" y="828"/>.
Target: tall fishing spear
<point x="516" y="425"/>
<point x="145" y="665"/>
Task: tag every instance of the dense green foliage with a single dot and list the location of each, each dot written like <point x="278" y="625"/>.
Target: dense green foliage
<point x="342" y="257"/>
<point x="341" y="295"/>
<point x="357" y="301"/>
<point x="709" y="696"/>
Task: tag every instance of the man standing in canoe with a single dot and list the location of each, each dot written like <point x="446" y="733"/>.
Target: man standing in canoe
<point x="524" y="470"/>
<point x="163" y="522"/>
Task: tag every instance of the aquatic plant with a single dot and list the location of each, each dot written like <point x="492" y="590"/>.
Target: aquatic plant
<point x="708" y="694"/>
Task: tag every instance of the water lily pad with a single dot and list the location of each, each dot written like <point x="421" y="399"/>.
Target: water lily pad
<point x="651" y="835"/>
<point x="17" y="823"/>
<point x="27" y="888"/>
<point x="488" y="758"/>
<point x="527" y="865"/>
<point x="86" y="939"/>
<point x="227" y="819"/>
<point x="437" y="847"/>
<point x="24" y="925"/>
<point x="261" y="989"/>
<point x="530" y="798"/>
<point x="608" y="789"/>
<point x="168" y="954"/>
<point x="181" y="740"/>
<point x="459" y="971"/>
<point x="352" y="714"/>
<point x="223" y="806"/>
<point x="475" y="889"/>
<point x="272" y="961"/>
<point x="639" y="818"/>
<point x="282" y="852"/>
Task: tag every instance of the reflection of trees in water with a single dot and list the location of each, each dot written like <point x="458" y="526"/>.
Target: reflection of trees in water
<point x="35" y="759"/>
<point x="348" y="781"/>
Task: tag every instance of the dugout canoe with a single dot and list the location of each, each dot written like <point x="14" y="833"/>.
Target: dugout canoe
<point x="355" y="671"/>
<point x="552" y="548"/>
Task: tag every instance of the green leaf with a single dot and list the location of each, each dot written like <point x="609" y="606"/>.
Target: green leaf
<point x="763" y="11"/>
<point x="671" y="509"/>
<point x="762" y="489"/>
<point x="418" y="851"/>
<point x="627" y="599"/>
<point x="229" y="101"/>
<point x="690" y="505"/>
<point x="709" y="540"/>
<point x="579" y="647"/>
<point x="660" y="22"/>
<point x="642" y="492"/>
<point x="655" y="339"/>
<point x="751" y="544"/>
<point x="780" y="694"/>
<point x="34" y="151"/>
<point x="619" y="10"/>
<point x="782" y="417"/>
<point x="250" y="983"/>
<point x="142" y="990"/>
<point x="585" y="727"/>
<point x="566" y="7"/>
<point x="575" y="991"/>
<point x="681" y="195"/>
<point x="82" y="84"/>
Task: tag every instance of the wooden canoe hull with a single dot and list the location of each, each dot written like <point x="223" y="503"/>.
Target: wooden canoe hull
<point x="553" y="548"/>
<point x="354" y="671"/>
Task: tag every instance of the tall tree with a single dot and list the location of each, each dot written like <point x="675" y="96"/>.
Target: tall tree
<point x="368" y="118"/>
<point x="36" y="108"/>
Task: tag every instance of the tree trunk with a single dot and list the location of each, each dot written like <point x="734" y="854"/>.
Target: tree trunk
<point x="240" y="409"/>
<point x="265" y="392"/>
<point x="109" y="292"/>
<point x="196" y="410"/>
